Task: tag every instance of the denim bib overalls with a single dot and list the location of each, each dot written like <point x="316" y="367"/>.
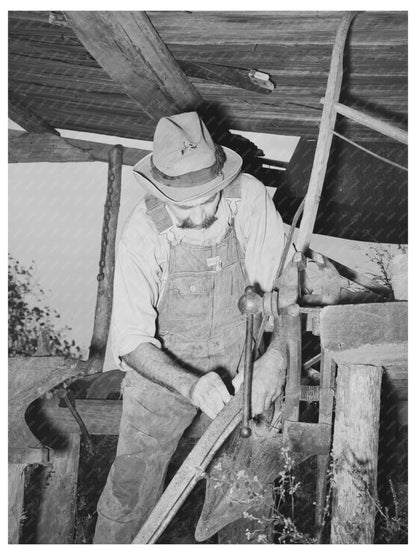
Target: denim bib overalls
<point x="200" y="325"/>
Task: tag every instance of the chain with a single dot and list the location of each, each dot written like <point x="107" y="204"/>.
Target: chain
<point x="106" y="226"/>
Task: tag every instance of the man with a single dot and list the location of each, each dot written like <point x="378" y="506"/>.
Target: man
<point x="186" y="254"/>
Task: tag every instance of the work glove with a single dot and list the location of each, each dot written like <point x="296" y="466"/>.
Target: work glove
<point x="269" y="375"/>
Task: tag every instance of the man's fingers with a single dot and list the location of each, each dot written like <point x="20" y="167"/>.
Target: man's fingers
<point x="212" y="404"/>
<point x="237" y="381"/>
<point x="208" y="411"/>
<point x="258" y="395"/>
<point x="267" y="402"/>
<point x="222" y="391"/>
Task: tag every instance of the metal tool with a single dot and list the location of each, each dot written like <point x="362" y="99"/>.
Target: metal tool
<point x="250" y="304"/>
<point x="271" y="304"/>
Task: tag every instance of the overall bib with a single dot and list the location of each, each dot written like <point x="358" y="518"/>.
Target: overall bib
<point x="200" y="325"/>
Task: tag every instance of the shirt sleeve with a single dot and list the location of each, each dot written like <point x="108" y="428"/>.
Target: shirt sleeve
<point x="261" y="228"/>
<point x="136" y="286"/>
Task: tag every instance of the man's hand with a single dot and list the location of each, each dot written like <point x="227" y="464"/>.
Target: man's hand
<point x="209" y="394"/>
<point x="269" y="375"/>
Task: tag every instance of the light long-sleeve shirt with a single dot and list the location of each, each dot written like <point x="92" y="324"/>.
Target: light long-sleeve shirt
<point x="143" y="254"/>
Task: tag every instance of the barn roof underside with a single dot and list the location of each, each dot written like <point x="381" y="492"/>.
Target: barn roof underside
<point x="56" y="77"/>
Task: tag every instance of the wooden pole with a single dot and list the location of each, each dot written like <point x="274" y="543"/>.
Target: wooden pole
<point x="16" y="474"/>
<point x="373" y="123"/>
<point x="105" y="277"/>
<point x="323" y="145"/>
<point x="56" y="519"/>
<point x="355" y="450"/>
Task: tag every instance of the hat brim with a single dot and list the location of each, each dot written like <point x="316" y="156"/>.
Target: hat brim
<point x="143" y="173"/>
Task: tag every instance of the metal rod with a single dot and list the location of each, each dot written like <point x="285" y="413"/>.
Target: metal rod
<point x="248" y="376"/>
<point x="71" y="406"/>
<point x="370" y="152"/>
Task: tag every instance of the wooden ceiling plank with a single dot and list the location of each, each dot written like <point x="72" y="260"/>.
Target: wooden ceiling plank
<point x="129" y="49"/>
<point x="277" y="27"/>
<point x="26" y="118"/>
<point x="40" y="147"/>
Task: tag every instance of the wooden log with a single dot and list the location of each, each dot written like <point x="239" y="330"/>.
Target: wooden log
<point x="56" y="517"/>
<point x="355" y="450"/>
<point x="105" y="277"/>
<point x="323" y="146"/>
<point x="44" y="147"/>
<point x="129" y="49"/>
<point x="21" y="114"/>
<point x="376" y="124"/>
<point x="373" y="333"/>
<point x="41" y="147"/>
<point x="16" y="473"/>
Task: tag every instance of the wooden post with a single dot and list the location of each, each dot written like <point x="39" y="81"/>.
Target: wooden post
<point x="355" y="449"/>
<point x="105" y="277"/>
<point x="56" y="518"/>
<point x="323" y="145"/>
<point x="377" y="124"/>
<point x="326" y="405"/>
<point x="293" y="335"/>
<point x="16" y="491"/>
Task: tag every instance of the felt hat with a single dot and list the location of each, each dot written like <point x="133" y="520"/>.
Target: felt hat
<point x="186" y="164"/>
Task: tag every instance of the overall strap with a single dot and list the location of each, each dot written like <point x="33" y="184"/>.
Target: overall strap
<point x="156" y="209"/>
<point x="233" y="190"/>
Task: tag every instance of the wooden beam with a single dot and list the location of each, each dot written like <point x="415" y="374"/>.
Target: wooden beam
<point x="26" y="118"/>
<point x="56" y="514"/>
<point x="42" y="147"/>
<point x="373" y="123"/>
<point x="16" y="482"/>
<point x="323" y="146"/>
<point x="235" y="77"/>
<point x="105" y="277"/>
<point x="129" y="49"/>
<point x="374" y="333"/>
<point x="101" y="417"/>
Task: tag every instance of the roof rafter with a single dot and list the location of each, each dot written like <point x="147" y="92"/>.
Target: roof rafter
<point x="44" y="147"/>
<point x="21" y="114"/>
<point x="129" y="49"/>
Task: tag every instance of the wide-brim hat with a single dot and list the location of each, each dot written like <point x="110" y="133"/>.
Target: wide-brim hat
<point x="186" y="164"/>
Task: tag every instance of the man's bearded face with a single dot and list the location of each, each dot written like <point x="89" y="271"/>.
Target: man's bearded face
<point x="199" y="214"/>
